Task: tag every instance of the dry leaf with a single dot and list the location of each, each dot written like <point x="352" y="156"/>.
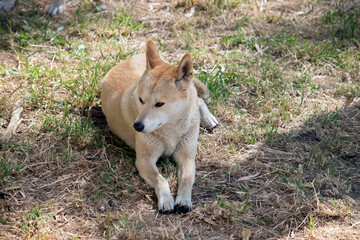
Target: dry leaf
<point x="245" y="234"/>
<point x="224" y="196"/>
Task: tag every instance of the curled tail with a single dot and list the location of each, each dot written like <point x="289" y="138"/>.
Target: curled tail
<point x="201" y="89"/>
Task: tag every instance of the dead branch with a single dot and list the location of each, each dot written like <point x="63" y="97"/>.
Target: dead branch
<point x="13" y="125"/>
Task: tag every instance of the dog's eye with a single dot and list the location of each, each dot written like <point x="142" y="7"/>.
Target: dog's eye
<point x="142" y="102"/>
<point x="159" y="104"/>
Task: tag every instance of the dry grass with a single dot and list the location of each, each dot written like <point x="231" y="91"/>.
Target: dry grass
<point x="283" y="163"/>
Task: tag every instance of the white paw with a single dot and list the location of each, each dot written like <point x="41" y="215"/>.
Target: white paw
<point x="183" y="203"/>
<point x="207" y="120"/>
<point x="7" y="5"/>
<point x="166" y="203"/>
<point x="58" y="7"/>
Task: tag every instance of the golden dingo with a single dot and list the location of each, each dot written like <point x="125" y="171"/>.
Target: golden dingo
<point x="156" y="109"/>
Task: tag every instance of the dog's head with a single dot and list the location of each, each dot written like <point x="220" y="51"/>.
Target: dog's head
<point x="162" y="91"/>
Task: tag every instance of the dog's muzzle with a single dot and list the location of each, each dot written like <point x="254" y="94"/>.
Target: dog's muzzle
<point x="139" y="126"/>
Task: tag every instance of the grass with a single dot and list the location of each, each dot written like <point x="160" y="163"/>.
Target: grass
<point x="284" y="83"/>
<point x="35" y="222"/>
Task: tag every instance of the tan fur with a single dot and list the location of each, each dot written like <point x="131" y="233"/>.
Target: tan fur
<point x="132" y="93"/>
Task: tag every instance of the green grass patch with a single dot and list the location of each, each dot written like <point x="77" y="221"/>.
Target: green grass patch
<point x="343" y="24"/>
<point x="220" y="83"/>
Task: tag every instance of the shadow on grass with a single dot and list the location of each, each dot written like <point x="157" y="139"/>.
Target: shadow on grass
<point x="328" y="32"/>
<point x="273" y="190"/>
<point x="328" y="149"/>
<point x="29" y="24"/>
<point x="312" y="171"/>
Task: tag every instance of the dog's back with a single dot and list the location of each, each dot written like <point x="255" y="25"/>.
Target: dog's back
<point x="117" y="106"/>
<point x="124" y="74"/>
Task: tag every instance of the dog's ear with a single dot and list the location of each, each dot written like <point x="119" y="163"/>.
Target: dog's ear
<point x="184" y="73"/>
<point x="152" y="56"/>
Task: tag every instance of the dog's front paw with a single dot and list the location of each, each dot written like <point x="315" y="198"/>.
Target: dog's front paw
<point x="7" y="5"/>
<point x="58" y="7"/>
<point x="166" y="204"/>
<point x="183" y="204"/>
<point x="208" y="121"/>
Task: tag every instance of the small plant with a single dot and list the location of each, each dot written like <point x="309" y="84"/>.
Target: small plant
<point x="126" y="226"/>
<point x="6" y="167"/>
<point x="311" y="222"/>
<point x="34" y="221"/>
<point x="116" y="180"/>
<point x="328" y="118"/>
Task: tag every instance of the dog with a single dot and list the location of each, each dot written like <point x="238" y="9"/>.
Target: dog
<point x="156" y="108"/>
<point x="56" y="8"/>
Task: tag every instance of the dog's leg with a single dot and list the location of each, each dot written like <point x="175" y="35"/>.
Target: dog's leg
<point x="207" y="120"/>
<point x="7" y="5"/>
<point x="57" y="7"/>
<point x="146" y="164"/>
<point x="184" y="156"/>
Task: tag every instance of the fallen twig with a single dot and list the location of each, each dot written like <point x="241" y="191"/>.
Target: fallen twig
<point x="248" y="177"/>
<point x="13" y="125"/>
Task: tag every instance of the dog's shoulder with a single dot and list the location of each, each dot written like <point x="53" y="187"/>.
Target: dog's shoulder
<point x="126" y="72"/>
<point x="137" y="63"/>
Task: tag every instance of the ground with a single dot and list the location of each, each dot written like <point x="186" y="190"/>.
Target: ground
<point x="283" y="163"/>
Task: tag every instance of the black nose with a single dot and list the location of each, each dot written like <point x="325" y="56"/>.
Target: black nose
<point x="139" y="126"/>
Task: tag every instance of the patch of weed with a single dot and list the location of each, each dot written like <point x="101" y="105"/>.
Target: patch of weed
<point x="116" y="180"/>
<point x="344" y="24"/>
<point x="34" y="222"/>
<point x="125" y="223"/>
<point x="220" y="83"/>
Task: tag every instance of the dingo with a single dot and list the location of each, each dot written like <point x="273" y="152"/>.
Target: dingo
<point x="154" y="107"/>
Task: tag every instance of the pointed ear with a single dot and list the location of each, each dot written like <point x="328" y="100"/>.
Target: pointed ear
<point x="184" y="73"/>
<point x="152" y="56"/>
